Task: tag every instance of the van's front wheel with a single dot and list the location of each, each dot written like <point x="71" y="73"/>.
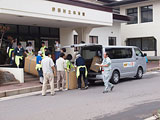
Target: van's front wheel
<point x="115" y="77"/>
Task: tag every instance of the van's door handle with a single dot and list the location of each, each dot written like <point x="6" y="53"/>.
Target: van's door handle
<point x="136" y="58"/>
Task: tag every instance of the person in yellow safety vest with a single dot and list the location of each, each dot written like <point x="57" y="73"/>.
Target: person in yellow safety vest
<point x="18" y="52"/>
<point x="68" y="62"/>
<point x="10" y="50"/>
<point x="43" y="49"/>
<point x="39" y="66"/>
<point x="81" y="71"/>
<point x="29" y="49"/>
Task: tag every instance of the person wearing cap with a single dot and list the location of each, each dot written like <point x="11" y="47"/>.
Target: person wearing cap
<point x="48" y="68"/>
<point x="39" y="66"/>
<point x="43" y="49"/>
<point x="106" y="64"/>
<point x="18" y="52"/>
<point x="81" y="71"/>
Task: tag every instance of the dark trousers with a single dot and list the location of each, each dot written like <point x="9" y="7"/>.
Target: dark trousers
<point x="40" y="73"/>
<point x="82" y="73"/>
<point x="21" y="63"/>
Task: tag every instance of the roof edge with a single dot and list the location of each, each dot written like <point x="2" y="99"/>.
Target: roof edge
<point x="84" y="4"/>
<point x="121" y="17"/>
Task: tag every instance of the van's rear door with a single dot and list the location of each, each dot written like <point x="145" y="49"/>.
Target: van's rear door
<point x="88" y="53"/>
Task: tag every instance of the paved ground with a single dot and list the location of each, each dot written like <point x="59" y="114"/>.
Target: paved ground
<point x="139" y="112"/>
<point x="150" y="65"/>
<point x="83" y="104"/>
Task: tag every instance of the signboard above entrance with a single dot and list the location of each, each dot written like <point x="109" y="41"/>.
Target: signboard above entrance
<point x="65" y="11"/>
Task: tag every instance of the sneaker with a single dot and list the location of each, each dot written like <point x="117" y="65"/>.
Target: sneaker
<point x="79" y="88"/>
<point x="86" y="87"/>
<point x="52" y="94"/>
<point x="65" y="89"/>
<point x="105" y="91"/>
<point x="112" y="88"/>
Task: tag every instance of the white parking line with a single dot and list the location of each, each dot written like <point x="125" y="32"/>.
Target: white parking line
<point x="152" y="118"/>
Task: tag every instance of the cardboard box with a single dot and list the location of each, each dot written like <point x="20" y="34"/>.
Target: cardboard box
<point x="30" y="65"/>
<point x="71" y="80"/>
<point x="94" y="67"/>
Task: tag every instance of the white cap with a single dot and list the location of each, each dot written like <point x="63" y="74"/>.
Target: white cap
<point x="78" y="55"/>
<point x="39" y="52"/>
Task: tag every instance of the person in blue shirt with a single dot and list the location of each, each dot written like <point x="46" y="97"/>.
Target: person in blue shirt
<point x="39" y="66"/>
<point x="81" y="71"/>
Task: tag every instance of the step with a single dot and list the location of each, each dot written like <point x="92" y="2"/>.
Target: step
<point x="24" y="90"/>
<point x="10" y="83"/>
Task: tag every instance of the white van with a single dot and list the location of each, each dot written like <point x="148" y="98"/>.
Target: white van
<point x="127" y="61"/>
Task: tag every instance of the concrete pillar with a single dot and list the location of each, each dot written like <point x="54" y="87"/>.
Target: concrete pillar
<point x="66" y="38"/>
<point x="83" y="34"/>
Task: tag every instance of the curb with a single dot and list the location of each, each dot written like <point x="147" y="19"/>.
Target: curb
<point x="153" y="69"/>
<point x="8" y="93"/>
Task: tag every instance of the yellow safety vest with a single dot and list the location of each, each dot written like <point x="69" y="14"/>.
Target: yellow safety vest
<point x="30" y="53"/>
<point x="43" y="51"/>
<point x="78" y="70"/>
<point x="10" y="52"/>
<point x="69" y="65"/>
<point x="17" y="60"/>
<point x="38" y="66"/>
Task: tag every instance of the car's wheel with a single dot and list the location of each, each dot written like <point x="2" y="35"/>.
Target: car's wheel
<point x="115" y="77"/>
<point x="139" y="74"/>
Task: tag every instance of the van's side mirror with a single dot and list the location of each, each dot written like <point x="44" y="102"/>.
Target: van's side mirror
<point x="145" y="54"/>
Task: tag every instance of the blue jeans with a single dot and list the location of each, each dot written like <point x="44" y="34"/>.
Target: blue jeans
<point x="40" y="72"/>
<point x="57" y="54"/>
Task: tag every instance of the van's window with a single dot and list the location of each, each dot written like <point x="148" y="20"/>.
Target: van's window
<point x="138" y="52"/>
<point x="91" y="52"/>
<point x="119" y="53"/>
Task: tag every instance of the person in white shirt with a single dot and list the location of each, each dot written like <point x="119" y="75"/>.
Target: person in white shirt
<point x="29" y="49"/>
<point x="48" y="69"/>
<point x="61" y="66"/>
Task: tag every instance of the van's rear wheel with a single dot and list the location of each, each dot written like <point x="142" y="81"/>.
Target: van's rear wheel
<point x="115" y="77"/>
<point x="139" y="74"/>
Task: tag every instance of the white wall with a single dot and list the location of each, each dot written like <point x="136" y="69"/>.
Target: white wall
<point x="44" y="9"/>
<point x="104" y="32"/>
<point x="17" y="72"/>
<point x="67" y="38"/>
<point x="143" y="29"/>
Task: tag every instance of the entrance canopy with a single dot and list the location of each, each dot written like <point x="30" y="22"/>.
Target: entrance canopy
<point x="52" y="14"/>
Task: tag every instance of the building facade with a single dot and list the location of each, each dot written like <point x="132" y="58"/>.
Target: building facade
<point x="143" y="29"/>
<point x="67" y="21"/>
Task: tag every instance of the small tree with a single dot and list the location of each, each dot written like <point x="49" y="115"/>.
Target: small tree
<point x="3" y="30"/>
